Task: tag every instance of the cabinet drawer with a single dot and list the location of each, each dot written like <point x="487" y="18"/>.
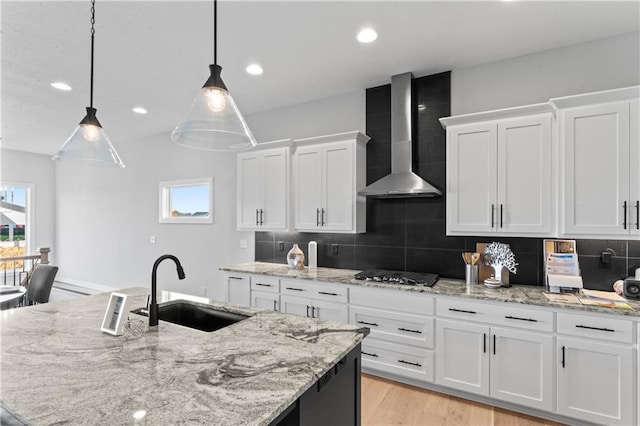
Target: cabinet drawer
<point x="523" y="317"/>
<point x="392" y="299"/>
<point x="597" y="327"/>
<point x="316" y="291"/>
<point x="267" y="284"/>
<point x="395" y="326"/>
<point x="401" y="360"/>
<point x="461" y="309"/>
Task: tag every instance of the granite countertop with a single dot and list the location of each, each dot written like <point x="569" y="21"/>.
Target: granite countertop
<point x="522" y="294"/>
<point x="57" y="367"/>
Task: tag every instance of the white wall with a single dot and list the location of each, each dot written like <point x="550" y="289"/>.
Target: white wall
<point x="38" y="170"/>
<point x="323" y="117"/>
<point x="106" y="216"/>
<point x="590" y="67"/>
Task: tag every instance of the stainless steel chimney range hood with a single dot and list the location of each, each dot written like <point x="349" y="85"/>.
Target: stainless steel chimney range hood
<point x="402" y="182"/>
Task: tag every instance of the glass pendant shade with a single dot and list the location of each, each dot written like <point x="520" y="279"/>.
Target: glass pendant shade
<point x="89" y="142"/>
<point x="214" y="122"/>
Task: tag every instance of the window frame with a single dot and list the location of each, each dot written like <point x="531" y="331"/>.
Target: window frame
<point x="164" y="212"/>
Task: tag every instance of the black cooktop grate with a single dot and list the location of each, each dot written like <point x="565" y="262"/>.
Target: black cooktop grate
<point x="398" y="277"/>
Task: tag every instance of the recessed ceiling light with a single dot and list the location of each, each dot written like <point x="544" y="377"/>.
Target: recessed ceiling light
<point x="254" y="69"/>
<point x="139" y="110"/>
<point x="367" y="35"/>
<point x="61" y="86"/>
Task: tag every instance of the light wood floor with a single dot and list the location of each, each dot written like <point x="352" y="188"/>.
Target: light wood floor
<point x="386" y="402"/>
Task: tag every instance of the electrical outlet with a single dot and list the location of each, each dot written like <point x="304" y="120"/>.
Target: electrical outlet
<point x="605" y="260"/>
<point x="152" y="239"/>
<point x="334" y="249"/>
<point x="280" y="245"/>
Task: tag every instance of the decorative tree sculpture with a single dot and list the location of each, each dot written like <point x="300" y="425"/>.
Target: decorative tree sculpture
<point x="498" y="256"/>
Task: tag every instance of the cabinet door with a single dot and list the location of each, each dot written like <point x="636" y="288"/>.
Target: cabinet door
<point x="237" y="289"/>
<point x="307" y="181"/>
<point x="471" y="178"/>
<point x="595" y="381"/>
<point x="295" y="305"/>
<point x="263" y="300"/>
<point x="276" y="189"/>
<point x="524" y="175"/>
<point x="330" y="311"/>
<point x="596" y="169"/>
<point x="462" y="358"/>
<point x="634" y="142"/>
<point x="522" y="368"/>
<point x="249" y="190"/>
<point x="338" y="174"/>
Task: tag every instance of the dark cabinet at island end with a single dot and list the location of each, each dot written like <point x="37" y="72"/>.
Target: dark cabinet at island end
<point x="333" y="400"/>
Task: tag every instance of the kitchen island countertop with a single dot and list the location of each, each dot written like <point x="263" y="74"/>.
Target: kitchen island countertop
<point x="522" y="294"/>
<point x="57" y="367"/>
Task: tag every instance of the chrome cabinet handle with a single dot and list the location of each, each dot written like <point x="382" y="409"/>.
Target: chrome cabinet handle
<point x="367" y="323"/>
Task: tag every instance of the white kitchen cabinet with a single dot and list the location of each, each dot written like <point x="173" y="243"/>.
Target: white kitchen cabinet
<point x="265" y="300"/>
<point x="237" y="288"/>
<point x="501" y="351"/>
<point x="263" y="189"/>
<point x="401" y="325"/>
<point x="595" y="368"/>
<point x="600" y="151"/>
<point x="499" y="173"/>
<point x="328" y="173"/>
<point x="312" y="308"/>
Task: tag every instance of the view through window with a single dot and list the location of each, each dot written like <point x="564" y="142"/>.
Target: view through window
<point x="14" y="229"/>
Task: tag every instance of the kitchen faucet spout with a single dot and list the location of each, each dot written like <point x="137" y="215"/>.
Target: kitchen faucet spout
<point x="153" y="307"/>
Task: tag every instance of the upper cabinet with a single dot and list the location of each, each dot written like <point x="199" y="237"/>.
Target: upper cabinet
<point x="499" y="173"/>
<point x="263" y="188"/>
<point x="327" y="174"/>
<point x="600" y="162"/>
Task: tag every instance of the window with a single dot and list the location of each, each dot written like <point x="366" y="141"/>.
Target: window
<point x="15" y="222"/>
<point x="186" y="201"/>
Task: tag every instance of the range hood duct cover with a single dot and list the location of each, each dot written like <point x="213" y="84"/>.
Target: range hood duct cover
<point x="402" y="182"/>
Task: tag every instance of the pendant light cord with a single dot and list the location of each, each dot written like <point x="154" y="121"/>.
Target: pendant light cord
<point x="93" y="32"/>
<point x="215" y="31"/>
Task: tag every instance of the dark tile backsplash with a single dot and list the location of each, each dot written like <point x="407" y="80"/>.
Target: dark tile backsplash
<point x="409" y="234"/>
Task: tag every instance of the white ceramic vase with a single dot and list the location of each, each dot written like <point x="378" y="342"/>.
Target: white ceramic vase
<point x="295" y="258"/>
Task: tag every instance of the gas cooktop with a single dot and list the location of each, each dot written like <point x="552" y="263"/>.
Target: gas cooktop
<point x="398" y="277"/>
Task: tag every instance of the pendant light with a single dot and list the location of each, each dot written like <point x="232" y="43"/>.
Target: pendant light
<point x="89" y="140"/>
<point x="214" y="122"/>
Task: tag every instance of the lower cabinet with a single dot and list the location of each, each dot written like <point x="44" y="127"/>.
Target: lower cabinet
<point x="595" y="378"/>
<point x="237" y="289"/>
<point x="264" y="300"/>
<point x="402" y="360"/>
<point x="511" y="365"/>
<point x="312" y="308"/>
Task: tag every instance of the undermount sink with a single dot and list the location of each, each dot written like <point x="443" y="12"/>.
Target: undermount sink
<point x="196" y="316"/>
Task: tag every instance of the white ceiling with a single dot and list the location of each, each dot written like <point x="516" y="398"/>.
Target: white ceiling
<point x="155" y="54"/>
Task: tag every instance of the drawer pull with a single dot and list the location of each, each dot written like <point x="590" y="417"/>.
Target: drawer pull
<point x="410" y="331"/>
<point x="595" y="328"/>
<point x="236" y="278"/>
<point x="295" y="289"/>
<point x="563" y="357"/>
<point x="263" y="285"/>
<point x="521" y="319"/>
<point x="494" y="344"/>
<point x="368" y="323"/>
<point x="462" y="310"/>
<point x="410" y="363"/>
<point x="484" y="343"/>
<point x="328" y="294"/>
<point x="368" y="354"/>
